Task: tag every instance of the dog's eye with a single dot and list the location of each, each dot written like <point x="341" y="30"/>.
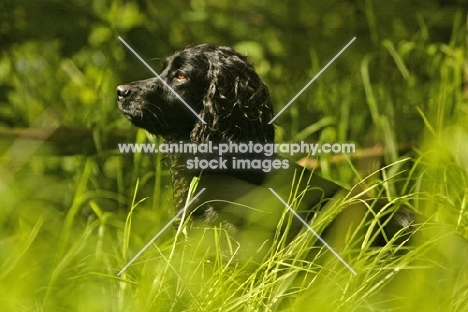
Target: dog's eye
<point x="180" y="76"/>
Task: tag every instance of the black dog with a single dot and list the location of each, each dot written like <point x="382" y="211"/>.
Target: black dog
<point x="224" y="89"/>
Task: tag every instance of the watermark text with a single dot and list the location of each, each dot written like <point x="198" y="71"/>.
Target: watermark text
<point x="230" y="148"/>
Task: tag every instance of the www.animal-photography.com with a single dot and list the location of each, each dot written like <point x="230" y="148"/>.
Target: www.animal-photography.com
<point x="233" y="156"/>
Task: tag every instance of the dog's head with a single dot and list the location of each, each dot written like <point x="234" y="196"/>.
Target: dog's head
<point x="219" y="84"/>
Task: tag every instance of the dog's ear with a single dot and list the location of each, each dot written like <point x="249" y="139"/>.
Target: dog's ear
<point x="237" y="105"/>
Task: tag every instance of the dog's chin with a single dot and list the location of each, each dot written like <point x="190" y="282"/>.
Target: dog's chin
<point x="128" y="115"/>
<point x="140" y="121"/>
<point x="131" y="112"/>
<point x="131" y="115"/>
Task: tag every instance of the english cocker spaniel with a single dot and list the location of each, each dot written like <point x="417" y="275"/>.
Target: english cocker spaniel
<point x="233" y="105"/>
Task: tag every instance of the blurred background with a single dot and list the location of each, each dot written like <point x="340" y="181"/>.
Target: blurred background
<point x="401" y="89"/>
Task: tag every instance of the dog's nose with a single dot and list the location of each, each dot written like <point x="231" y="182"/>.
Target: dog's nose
<point x="123" y="91"/>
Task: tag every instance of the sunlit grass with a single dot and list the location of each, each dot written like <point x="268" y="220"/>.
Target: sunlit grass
<point x="68" y="225"/>
<point x="53" y="265"/>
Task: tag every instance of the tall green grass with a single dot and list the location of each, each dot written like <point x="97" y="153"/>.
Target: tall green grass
<point x="69" y="224"/>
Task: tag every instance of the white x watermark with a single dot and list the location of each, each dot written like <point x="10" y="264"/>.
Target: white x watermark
<point x="271" y="121"/>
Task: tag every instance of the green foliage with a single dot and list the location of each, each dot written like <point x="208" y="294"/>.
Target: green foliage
<point x="69" y="224"/>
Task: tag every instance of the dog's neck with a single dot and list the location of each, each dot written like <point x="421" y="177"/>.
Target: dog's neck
<point x="182" y="176"/>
